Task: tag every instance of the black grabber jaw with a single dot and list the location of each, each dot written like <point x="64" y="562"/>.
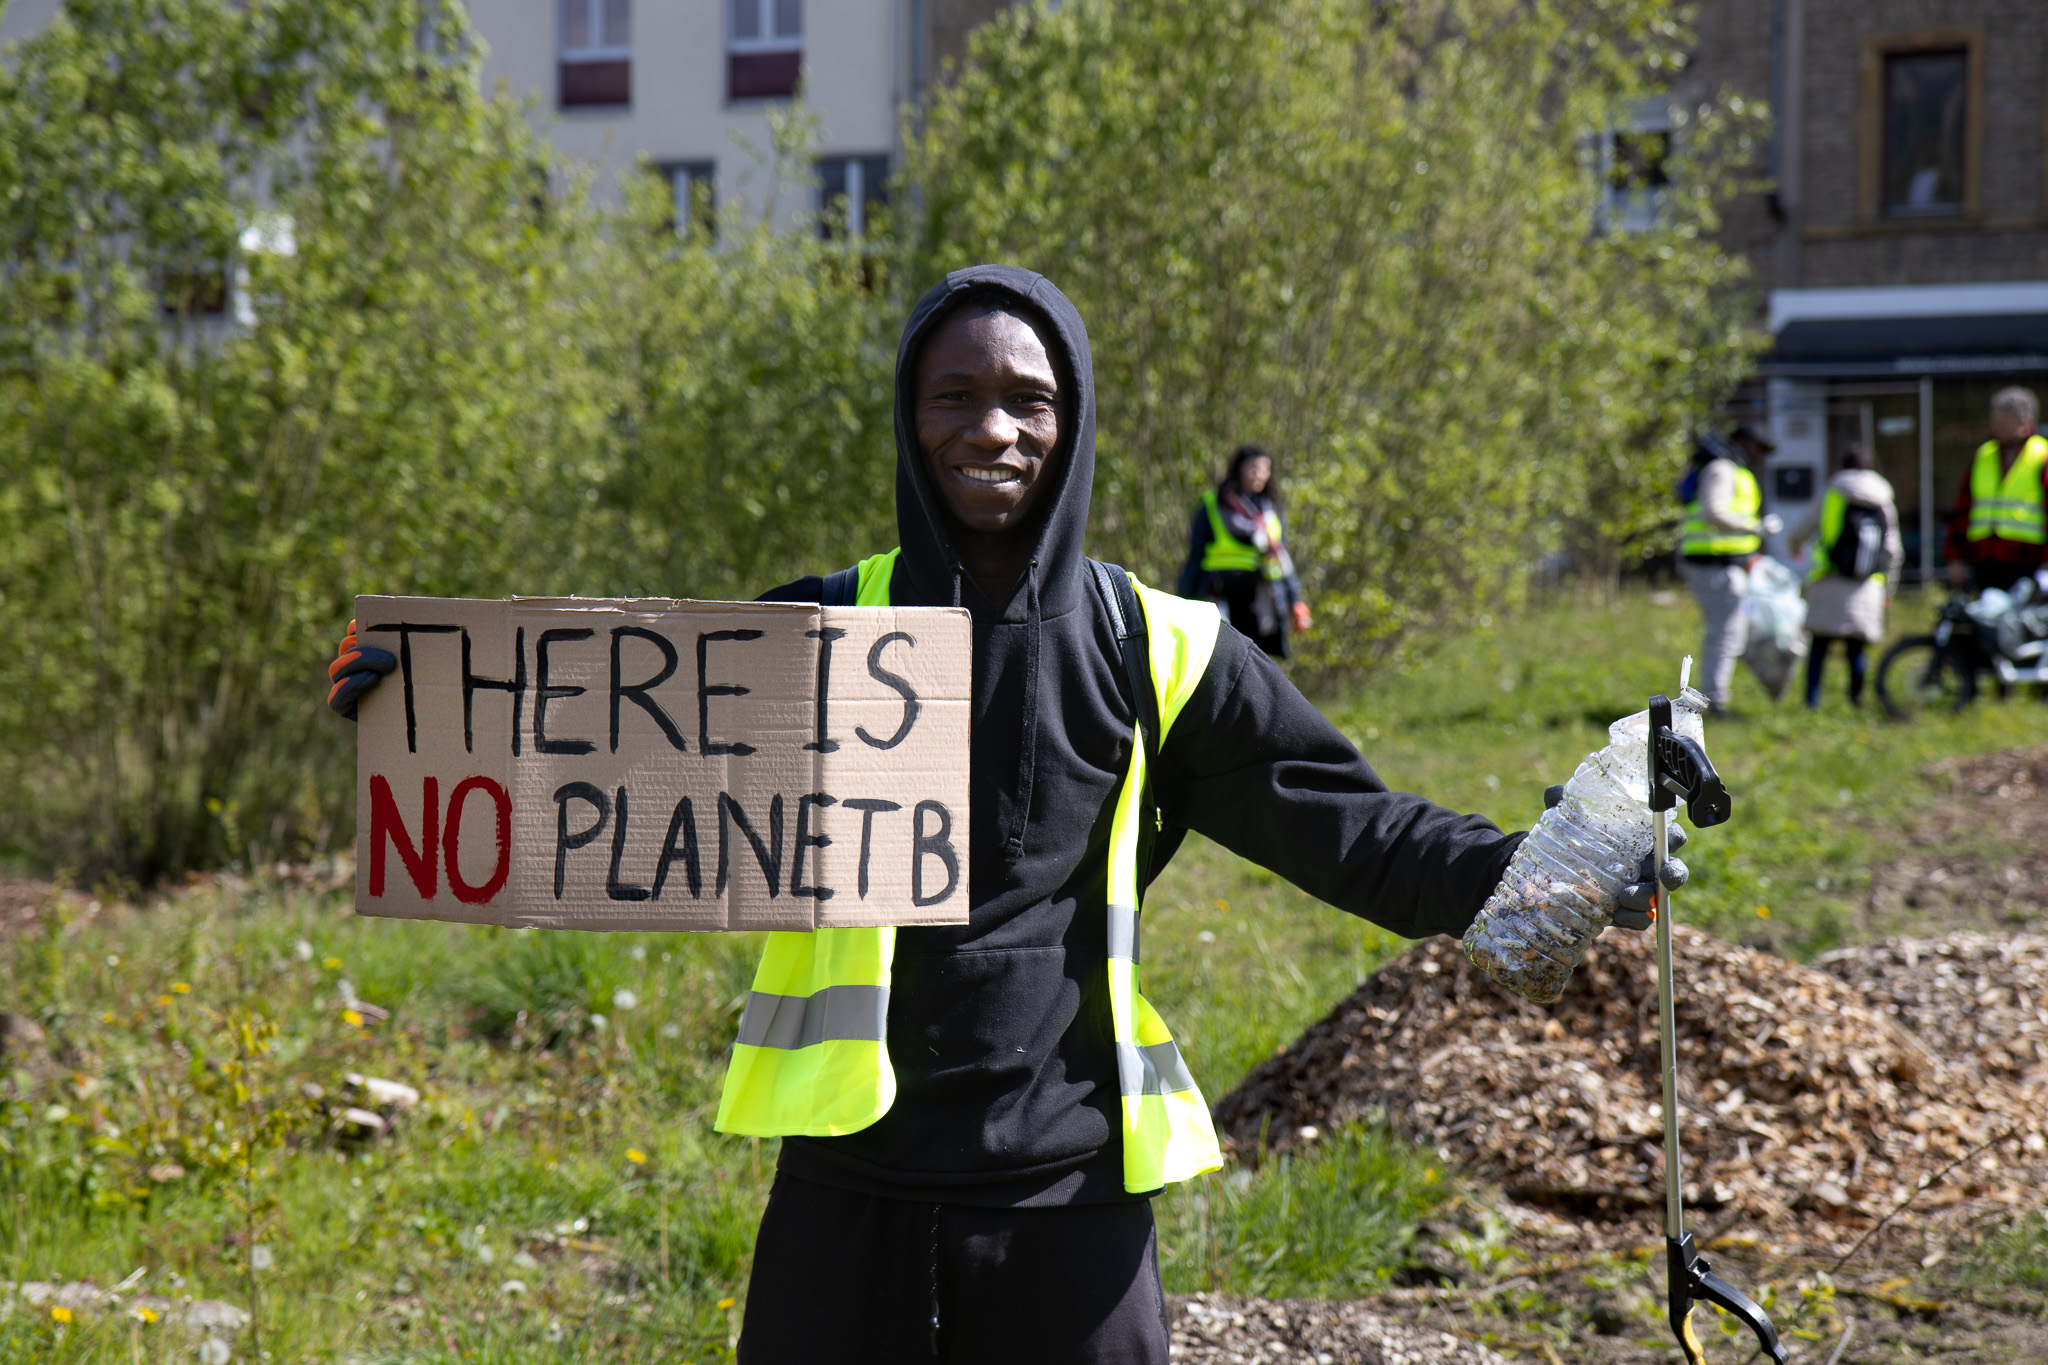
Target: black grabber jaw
<point x="1679" y="770"/>
<point x="1691" y="1280"/>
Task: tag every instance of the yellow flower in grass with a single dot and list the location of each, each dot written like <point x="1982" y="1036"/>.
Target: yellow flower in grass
<point x="180" y="988"/>
<point x="163" y="1000"/>
<point x="352" y="1017"/>
<point x="636" y="1156"/>
<point x="332" y="964"/>
<point x="725" y="1303"/>
<point x="60" y="1313"/>
<point x="147" y="1314"/>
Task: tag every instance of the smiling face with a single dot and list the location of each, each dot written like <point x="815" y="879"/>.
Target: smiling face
<point x="988" y="418"/>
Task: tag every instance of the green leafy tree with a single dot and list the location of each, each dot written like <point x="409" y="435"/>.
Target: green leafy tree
<point x="754" y="441"/>
<point x="1362" y="235"/>
<point x="287" y="312"/>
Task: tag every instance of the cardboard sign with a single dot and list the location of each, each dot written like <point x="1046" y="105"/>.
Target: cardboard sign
<point x="585" y="763"/>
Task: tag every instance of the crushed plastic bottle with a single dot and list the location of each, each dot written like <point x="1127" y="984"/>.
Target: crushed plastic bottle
<point x="1560" y="887"/>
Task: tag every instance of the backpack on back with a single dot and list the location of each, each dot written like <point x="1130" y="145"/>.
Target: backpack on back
<point x="1858" y="549"/>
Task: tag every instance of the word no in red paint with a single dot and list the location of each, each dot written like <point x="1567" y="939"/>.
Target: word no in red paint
<point x="424" y="860"/>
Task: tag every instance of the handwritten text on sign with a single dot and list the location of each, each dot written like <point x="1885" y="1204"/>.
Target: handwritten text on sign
<point x="584" y="763"/>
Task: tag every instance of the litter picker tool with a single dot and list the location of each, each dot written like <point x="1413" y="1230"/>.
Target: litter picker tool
<point x="1679" y="770"/>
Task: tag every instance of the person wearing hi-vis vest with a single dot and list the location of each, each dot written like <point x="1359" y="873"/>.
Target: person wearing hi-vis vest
<point x="1998" y="533"/>
<point x="1723" y="531"/>
<point x="1237" y="555"/>
<point x="974" y="1117"/>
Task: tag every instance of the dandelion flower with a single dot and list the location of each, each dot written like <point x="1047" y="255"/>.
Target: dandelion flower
<point x="332" y="964"/>
<point x="163" y="1000"/>
<point x="180" y="988"/>
<point x="352" y="1017"/>
<point x="636" y="1156"/>
<point x="60" y="1313"/>
<point x="147" y="1314"/>
<point x="725" y="1303"/>
<point x="106" y="1016"/>
<point x="1429" y="1177"/>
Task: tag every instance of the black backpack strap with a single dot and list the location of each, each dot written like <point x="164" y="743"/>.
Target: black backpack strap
<point x="840" y="588"/>
<point x="1127" y="619"/>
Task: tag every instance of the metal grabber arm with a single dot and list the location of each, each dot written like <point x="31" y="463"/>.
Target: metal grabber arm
<point x="1679" y="769"/>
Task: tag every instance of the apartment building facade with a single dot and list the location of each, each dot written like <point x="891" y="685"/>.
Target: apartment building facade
<point x="1902" y="241"/>
<point x="688" y="88"/>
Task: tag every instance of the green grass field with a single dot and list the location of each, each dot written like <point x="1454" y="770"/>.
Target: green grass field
<point x="559" y="1193"/>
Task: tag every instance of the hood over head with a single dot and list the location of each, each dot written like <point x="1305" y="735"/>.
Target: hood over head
<point x="929" y="562"/>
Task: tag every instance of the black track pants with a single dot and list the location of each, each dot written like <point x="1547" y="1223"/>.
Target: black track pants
<point x="845" y="1278"/>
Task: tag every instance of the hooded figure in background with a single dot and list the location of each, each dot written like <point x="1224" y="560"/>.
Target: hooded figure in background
<point x="975" y="1117"/>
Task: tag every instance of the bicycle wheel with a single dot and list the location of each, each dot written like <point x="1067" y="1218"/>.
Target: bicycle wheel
<point x="1920" y="674"/>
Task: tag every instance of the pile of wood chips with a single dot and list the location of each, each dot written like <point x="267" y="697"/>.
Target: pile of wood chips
<point x="1815" y="1101"/>
<point x="1212" y="1329"/>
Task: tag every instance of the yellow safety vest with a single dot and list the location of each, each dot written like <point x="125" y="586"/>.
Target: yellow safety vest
<point x="1834" y="508"/>
<point x="2009" y="507"/>
<point x="1225" y="553"/>
<point x="812" y="1056"/>
<point x="1696" y="537"/>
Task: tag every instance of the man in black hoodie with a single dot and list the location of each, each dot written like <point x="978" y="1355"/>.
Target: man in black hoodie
<point x="985" y="1215"/>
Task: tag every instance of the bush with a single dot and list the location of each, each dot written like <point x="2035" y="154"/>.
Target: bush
<point x="190" y="499"/>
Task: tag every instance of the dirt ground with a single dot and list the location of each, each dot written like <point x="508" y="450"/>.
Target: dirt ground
<point x="1978" y="859"/>
<point x="1947" y="1030"/>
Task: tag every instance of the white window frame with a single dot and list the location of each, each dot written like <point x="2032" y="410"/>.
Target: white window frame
<point x="768" y="41"/>
<point x="856" y="191"/>
<point x="1634" y="210"/>
<point x="600" y="16"/>
<point x="682" y="178"/>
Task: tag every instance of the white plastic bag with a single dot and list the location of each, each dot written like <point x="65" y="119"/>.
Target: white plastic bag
<point x="1777" y="624"/>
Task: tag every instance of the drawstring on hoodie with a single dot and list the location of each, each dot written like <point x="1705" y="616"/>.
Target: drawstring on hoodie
<point x="935" y="1280"/>
<point x="1013" y="847"/>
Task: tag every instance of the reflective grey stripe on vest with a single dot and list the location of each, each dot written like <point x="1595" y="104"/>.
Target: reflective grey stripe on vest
<point x="834" y="1014"/>
<point x="1123" y="932"/>
<point x="1154" y="1070"/>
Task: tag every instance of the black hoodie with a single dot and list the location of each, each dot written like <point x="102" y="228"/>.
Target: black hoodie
<point x="999" y="1029"/>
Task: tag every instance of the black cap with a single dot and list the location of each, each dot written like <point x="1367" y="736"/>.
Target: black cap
<point x="1747" y="432"/>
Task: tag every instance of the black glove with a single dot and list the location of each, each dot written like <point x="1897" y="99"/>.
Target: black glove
<point x="356" y="669"/>
<point x="1635" y="902"/>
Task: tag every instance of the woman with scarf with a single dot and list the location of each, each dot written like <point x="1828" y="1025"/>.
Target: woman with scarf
<point x="1237" y="555"/>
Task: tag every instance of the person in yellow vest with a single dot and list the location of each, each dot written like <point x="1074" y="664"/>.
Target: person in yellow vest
<point x="975" y="1117"/>
<point x="1723" y="532"/>
<point x="1237" y="555"/>
<point x="1998" y="530"/>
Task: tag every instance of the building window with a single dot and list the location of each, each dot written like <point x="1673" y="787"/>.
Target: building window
<point x="850" y="189"/>
<point x="764" y="49"/>
<point x="201" y="292"/>
<point x="693" y="196"/>
<point x="1926" y="127"/>
<point x="1635" y="180"/>
<point x="1920" y="125"/>
<point x="597" y="53"/>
